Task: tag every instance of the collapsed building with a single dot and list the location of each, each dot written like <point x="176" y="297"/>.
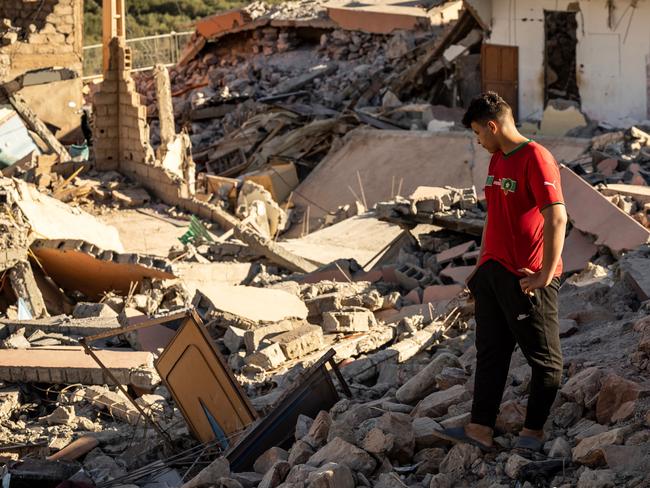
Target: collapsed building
<point x="256" y="276"/>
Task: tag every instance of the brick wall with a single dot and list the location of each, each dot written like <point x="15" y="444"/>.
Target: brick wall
<point x="39" y="34"/>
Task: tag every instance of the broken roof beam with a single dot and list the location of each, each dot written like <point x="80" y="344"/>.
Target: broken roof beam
<point x="272" y="251"/>
<point x="35" y="124"/>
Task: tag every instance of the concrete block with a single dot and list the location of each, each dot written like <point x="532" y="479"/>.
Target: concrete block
<point x="356" y="320"/>
<point x="234" y="339"/>
<point x="253" y="338"/>
<point x="268" y="358"/>
<point x="301" y="341"/>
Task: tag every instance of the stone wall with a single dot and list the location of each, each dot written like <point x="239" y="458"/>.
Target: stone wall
<point x="39" y="34"/>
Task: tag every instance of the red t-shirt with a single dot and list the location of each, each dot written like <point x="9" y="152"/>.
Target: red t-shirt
<point x="518" y="187"/>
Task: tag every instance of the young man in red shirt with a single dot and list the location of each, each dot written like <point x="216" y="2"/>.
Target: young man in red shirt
<point x="516" y="281"/>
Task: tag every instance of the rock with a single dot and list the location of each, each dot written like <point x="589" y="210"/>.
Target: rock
<point x="442" y="480"/>
<point x="624" y="412"/>
<point x="514" y="463"/>
<point x="628" y="459"/>
<point x="303" y="424"/>
<point x="84" y="310"/>
<point x="424" y="382"/>
<point x="449" y="377"/>
<point x="423" y="431"/>
<point x="319" y="430"/>
<point x="227" y="483"/>
<point x="429" y="460"/>
<point x="560" y="448"/>
<point x="298" y="475"/>
<point x="63" y="415"/>
<point x="300" y="453"/>
<point x="269" y="458"/>
<point x="511" y="417"/>
<point x="457" y="421"/>
<point x="275" y="475"/>
<point x="397" y="427"/>
<point x="389" y="480"/>
<point x="583" y="388"/>
<point x="342" y="452"/>
<point x="437" y="404"/>
<point x="102" y="468"/>
<point x="248" y="479"/>
<point x="219" y="468"/>
<point x="331" y="475"/>
<point x="459" y="459"/>
<point x="568" y="327"/>
<point x="590" y="450"/>
<point x="568" y="414"/>
<point x="601" y="478"/>
<point x="614" y="392"/>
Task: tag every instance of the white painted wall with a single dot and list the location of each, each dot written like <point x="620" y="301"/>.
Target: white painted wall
<point x="611" y="68"/>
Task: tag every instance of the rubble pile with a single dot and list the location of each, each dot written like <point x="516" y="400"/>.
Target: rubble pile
<point x="320" y="75"/>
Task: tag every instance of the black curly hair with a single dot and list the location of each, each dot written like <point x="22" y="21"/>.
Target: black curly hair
<point x="487" y="106"/>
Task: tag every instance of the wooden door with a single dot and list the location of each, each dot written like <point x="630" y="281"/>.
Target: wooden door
<point x="500" y="73"/>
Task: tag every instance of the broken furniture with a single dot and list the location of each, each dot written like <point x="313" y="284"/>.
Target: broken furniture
<point x="196" y="375"/>
<point x="314" y="392"/>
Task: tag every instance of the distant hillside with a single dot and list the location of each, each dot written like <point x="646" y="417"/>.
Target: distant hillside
<point x="151" y="17"/>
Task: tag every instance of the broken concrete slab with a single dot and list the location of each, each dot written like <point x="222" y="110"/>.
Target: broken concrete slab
<point x="578" y="250"/>
<point x="360" y="237"/>
<point x="273" y="251"/>
<point x="198" y="275"/>
<point x="636" y="272"/>
<point x="439" y="293"/>
<point x="454" y="252"/>
<point x="51" y="219"/>
<point x="254" y="304"/>
<point x="372" y="153"/>
<point x="70" y="364"/>
<point x="457" y="273"/>
<point x="592" y="213"/>
<point x="64" y="324"/>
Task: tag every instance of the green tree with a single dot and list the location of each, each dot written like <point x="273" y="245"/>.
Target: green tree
<point x="152" y="17"/>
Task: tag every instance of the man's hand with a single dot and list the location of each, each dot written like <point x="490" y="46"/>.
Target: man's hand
<point x="533" y="281"/>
